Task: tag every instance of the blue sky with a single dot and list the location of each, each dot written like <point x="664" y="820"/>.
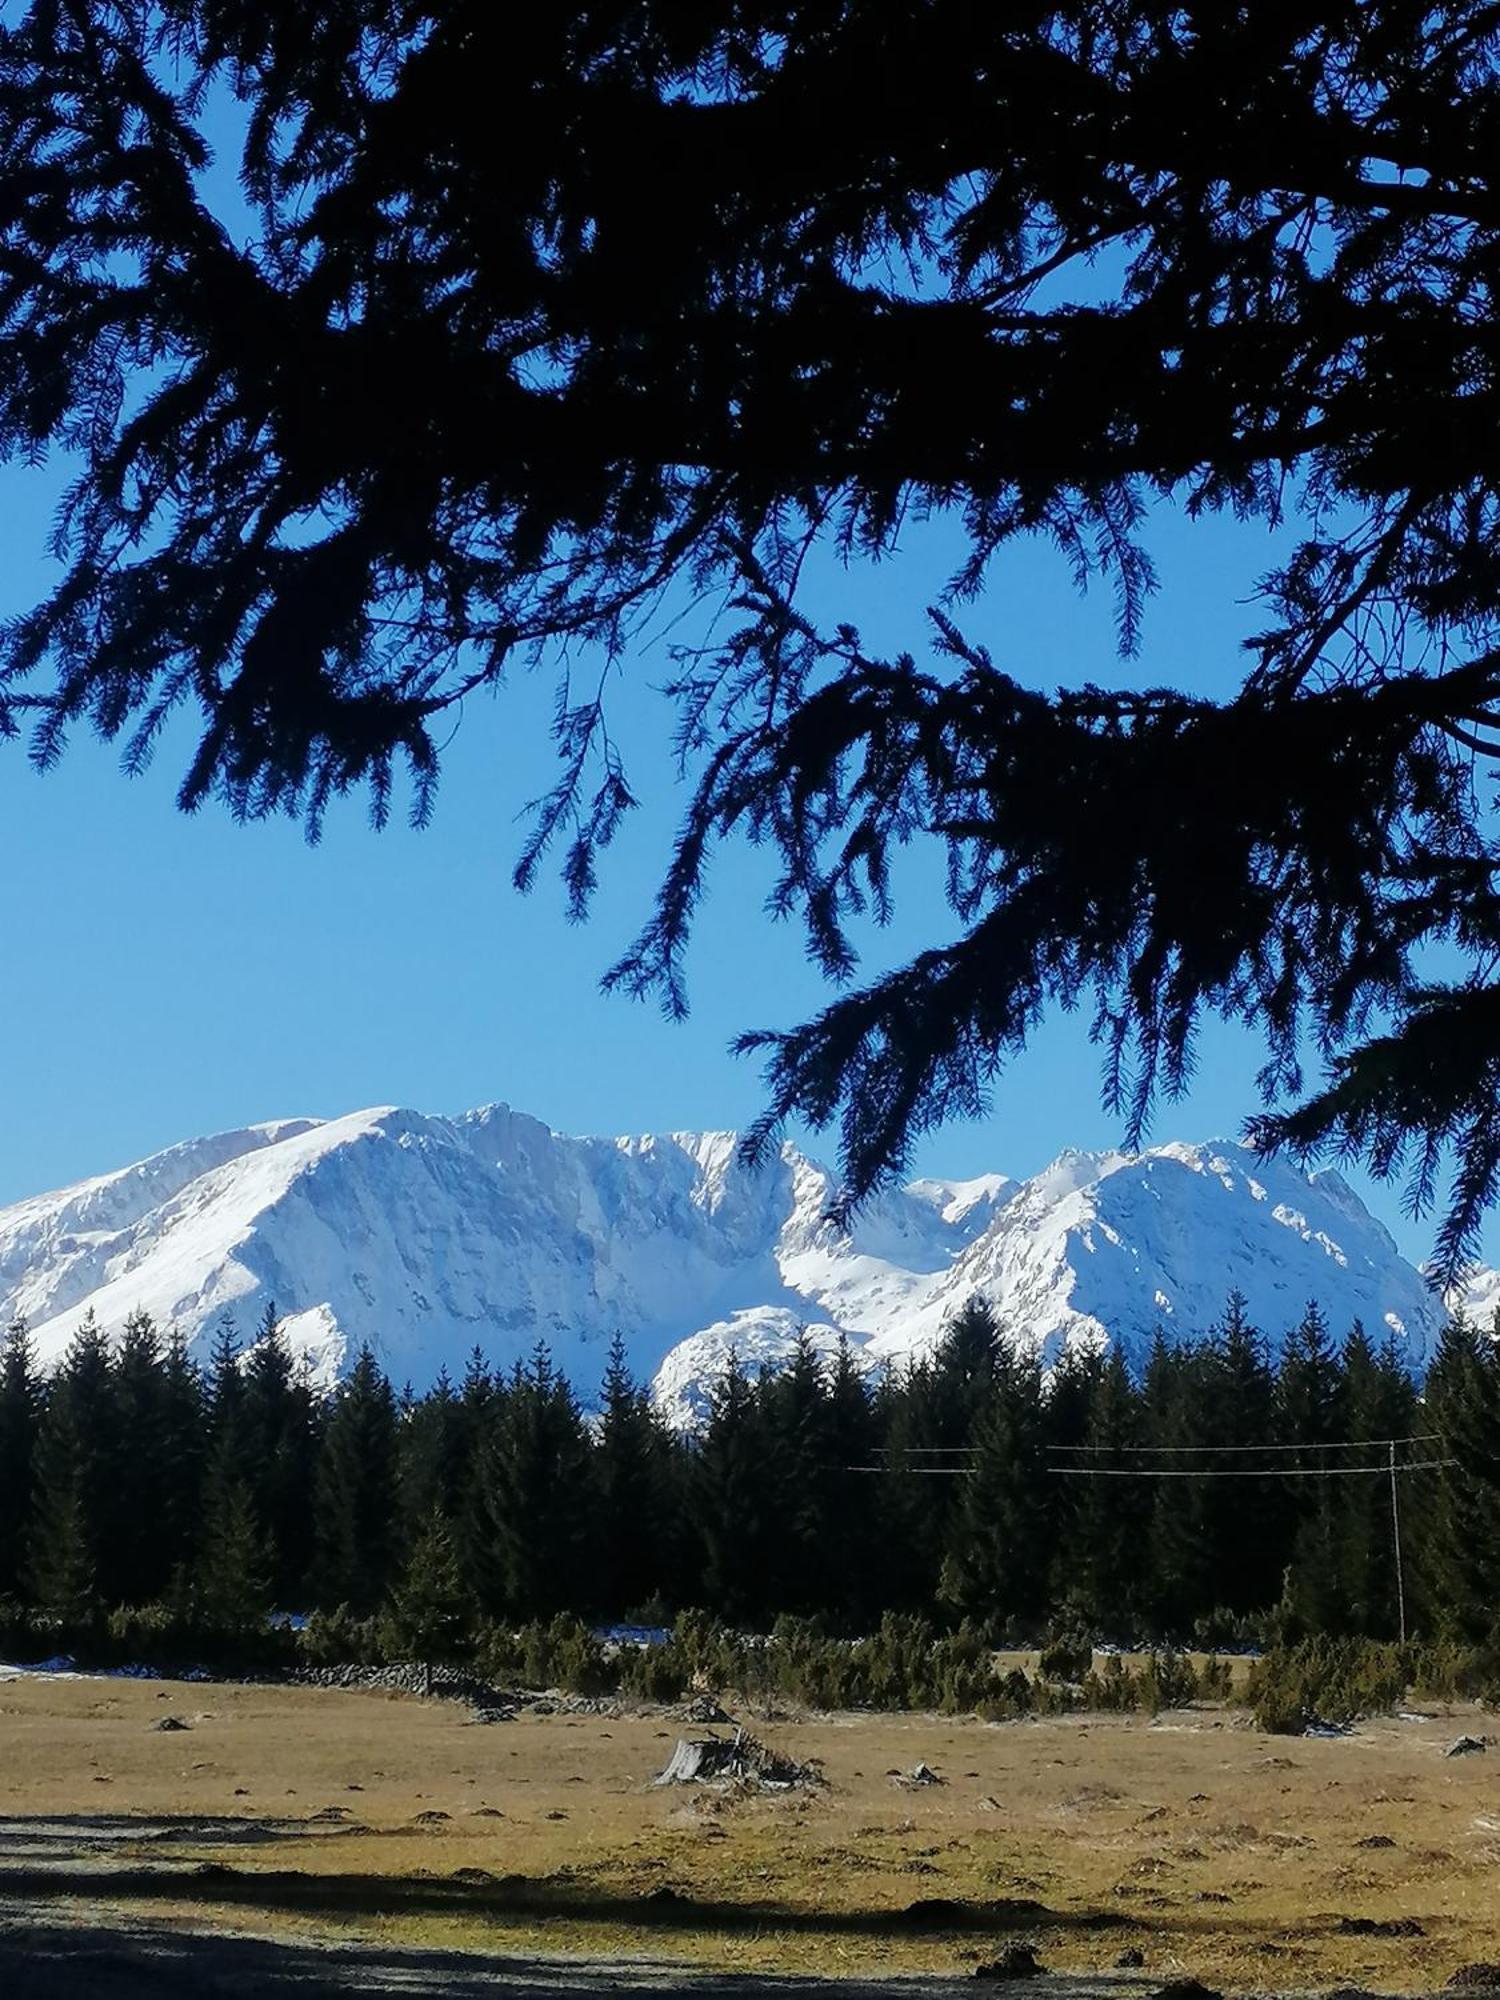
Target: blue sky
<point x="166" y="976"/>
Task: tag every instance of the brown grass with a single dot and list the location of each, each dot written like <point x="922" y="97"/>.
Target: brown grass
<point x="1216" y="1851"/>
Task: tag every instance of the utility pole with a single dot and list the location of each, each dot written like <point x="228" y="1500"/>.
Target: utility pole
<point x="1396" y="1542"/>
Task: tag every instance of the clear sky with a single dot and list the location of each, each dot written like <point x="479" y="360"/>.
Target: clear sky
<point x="166" y="976"/>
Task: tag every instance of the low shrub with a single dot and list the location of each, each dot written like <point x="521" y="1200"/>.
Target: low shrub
<point x="1067" y="1656"/>
<point x="1011" y="1696"/>
<point x="1325" y="1680"/>
<point x="1447" y="1671"/>
<point x="560" y="1653"/>
<point x="1114" y="1690"/>
<point x="1215" y="1679"/>
<point x="653" y="1673"/>
<point x="1223" y="1631"/>
<point x="339" y="1638"/>
<point x="1167" y="1680"/>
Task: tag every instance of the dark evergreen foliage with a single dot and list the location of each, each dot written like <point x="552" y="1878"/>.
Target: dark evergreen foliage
<point x="1463" y="1554"/>
<point x="183" y="1443"/>
<point x="231" y="1587"/>
<point x="141" y="1564"/>
<point x="928" y="1498"/>
<point x="431" y="1612"/>
<point x="279" y="1418"/>
<point x="733" y="1498"/>
<point x="77" y="1462"/>
<point x="669" y="291"/>
<point x="634" y="1532"/>
<point x="20" y="1405"/>
<point x="356" y="1497"/>
<point x="1107" y="1553"/>
<point x="996" y="1565"/>
<point x="533" y="1476"/>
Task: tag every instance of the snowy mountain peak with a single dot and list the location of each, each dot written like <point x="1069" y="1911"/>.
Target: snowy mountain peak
<point x="426" y="1235"/>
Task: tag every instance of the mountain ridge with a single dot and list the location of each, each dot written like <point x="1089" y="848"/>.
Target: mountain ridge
<point x="427" y="1235"/>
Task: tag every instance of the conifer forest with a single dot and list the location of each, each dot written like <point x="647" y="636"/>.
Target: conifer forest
<point x="1197" y="1494"/>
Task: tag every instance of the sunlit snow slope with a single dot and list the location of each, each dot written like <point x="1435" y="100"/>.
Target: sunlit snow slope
<point x="427" y="1236"/>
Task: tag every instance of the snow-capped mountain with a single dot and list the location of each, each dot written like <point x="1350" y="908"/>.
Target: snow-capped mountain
<point x="427" y="1236"/>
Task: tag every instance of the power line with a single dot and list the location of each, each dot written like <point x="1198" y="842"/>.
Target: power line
<point x="1266" y="1472"/>
<point x="968" y="1451"/>
<point x="1174" y="1472"/>
<point x="1389" y="1466"/>
<point x="1221" y="1450"/>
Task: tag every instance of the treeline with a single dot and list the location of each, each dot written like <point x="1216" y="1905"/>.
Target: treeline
<point x="130" y="1477"/>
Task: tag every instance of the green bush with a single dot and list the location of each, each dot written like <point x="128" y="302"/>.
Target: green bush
<point x="653" y="1673"/>
<point x="499" y="1653"/>
<point x="1325" y="1680"/>
<point x="338" y="1638"/>
<point x="1167" y="1680"/>
<point x="1446" y="1671"/>
<point x="1229" y="1632"/>
<point x="1215" y="1680"/>
<point x="563" y="1653"/>
<point x="1067" y="1656"/>
<point x="1116" y="1690"/>
<point x="1011" y="1696"/>
<point x="714" y="1657"/>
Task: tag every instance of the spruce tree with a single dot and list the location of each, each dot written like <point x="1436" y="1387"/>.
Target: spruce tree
<point x="1248" y="1524"/>
<point x="1105" y="1570"/>
<point x="534" y="1476"/>
<point x="20" y="1412"/>
<point x="141" y="1553"/>
<point x="278" y="1425"/>
<point x="803" y="269"/>
<point x="1066" y="1405"/>
<point x="355" y="1544"/>
<point x="998" y="1558"/>
<point x="430" y="1614"/>
<point x="224" y="1397"/>
<point x="1173" y="1417"/>
<point x="734" y="1501"/>
<point x="928" y="1415"/>
<point x="1310" y="1397"/>
<point x="430" y="1457"/>
<point x="1379" y="1403"/>
<point x="854" y="1552"/>
<point x="481" y="1398"/>
<point x="1462" y="1564"/>
<point x="630" y="1520"/>
<point x="912" y="1505"/>
<point x="965" y="1366"/>
<point x="183" y="1443"/>
<point x="232" y="1578"/>
<point x="77" y="1468"/>
<point x="64" y="1544"/>
<point x="792" y="1409"/>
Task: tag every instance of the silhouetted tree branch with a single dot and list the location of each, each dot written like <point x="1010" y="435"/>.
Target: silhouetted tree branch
<point x="528" y="317"/>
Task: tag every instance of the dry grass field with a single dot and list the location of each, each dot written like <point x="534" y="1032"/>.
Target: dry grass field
<point x="1216" y="1852"/>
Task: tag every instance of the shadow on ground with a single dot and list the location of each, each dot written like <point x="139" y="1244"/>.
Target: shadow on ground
<point x="96" y="1961"/>
<point x="76" y="1836"/>
<point x="471" y="1892"/>
<point x="88" y="1908"/>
